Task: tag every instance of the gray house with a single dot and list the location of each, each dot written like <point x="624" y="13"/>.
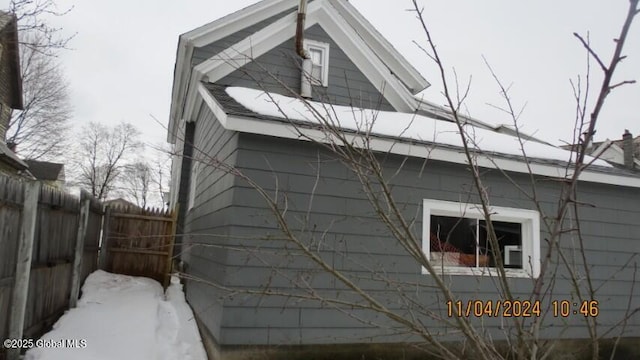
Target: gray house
<point x="255" y="113"/>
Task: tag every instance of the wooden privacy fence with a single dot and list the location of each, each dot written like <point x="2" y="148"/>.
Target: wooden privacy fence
<point x="50" y="242"/>
<point x="139" y="242"/>
<point x="48" y="246"/>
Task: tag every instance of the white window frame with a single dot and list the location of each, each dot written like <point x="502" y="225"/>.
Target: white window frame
<point x="529" y="219"/>
<point x="324" y="48"/>
<point x="193" y="183"/>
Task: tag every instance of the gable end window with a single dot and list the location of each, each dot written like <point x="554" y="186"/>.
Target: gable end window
<point x="456" y="242"/>
<point x="319" y="53"/>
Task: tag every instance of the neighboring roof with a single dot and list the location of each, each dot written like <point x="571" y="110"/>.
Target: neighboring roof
<point x="9" y="157"/>
<point x="120" y="202"/>
<point x="612" y="151"/>
<point x="9" y="40"/>
<point x="43" y="170"/>
<point x="373" y="55"/>
<point x="636" y="146"/>
<point x="253" y="111"/>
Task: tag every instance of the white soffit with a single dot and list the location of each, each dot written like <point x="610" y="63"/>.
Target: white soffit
<point x="381" y="47"/>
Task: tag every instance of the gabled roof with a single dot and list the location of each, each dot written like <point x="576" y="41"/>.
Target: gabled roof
<point x="43" y="170"/>
<point x="9" y="41"/>
<point x="365" y="46"/>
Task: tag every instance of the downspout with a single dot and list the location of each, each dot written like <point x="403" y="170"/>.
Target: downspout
<point x="305" y="81"/>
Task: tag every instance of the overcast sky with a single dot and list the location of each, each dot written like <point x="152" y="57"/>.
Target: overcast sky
<point x="121" y="65"/>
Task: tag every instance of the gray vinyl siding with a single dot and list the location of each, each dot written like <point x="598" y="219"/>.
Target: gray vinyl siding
<point x="207" y="221"/>
<point x="341" y="219"/>
<point x="347" y="84"/>
<point x="202" y="54"/>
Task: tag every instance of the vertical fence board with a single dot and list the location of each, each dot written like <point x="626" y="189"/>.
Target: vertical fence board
<point x="23" y="266"/>
<point x="77" y="259"/>
<point x="11" y="199"/>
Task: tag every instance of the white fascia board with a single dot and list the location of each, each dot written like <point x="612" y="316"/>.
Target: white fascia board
<point x="340" y="31"/>
<point x="381" y="47"/>
<point x="180" y="74"/>
<point x="394" y="146"/>
<point x="239" y="20"/>
<point x="248" y="49"/>
<point x="365" y="59"/>
<point x="207" y="34"/>
<point x="236" y="56"/>
<point x="213" y="104"/>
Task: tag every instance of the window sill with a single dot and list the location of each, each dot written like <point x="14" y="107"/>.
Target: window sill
<point x="468" y="271"/>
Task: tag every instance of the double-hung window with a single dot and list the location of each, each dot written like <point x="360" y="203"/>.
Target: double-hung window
<point x="319" y="53"/>
<point x="456" y="239"/>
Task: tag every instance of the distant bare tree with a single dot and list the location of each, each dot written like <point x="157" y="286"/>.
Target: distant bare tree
<point x="137" y="181"/>
<point x="102" y="155"/>
<point x="40" y="129"/>
<point x="161" y="173"/>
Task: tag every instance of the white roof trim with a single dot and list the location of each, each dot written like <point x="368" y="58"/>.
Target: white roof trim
<point x="210" y="33"/>
<point x="268" y="38"/>
<point x="289" y="131"/>
<point x="239" y="20"/>
<point x="390" y="59"/>
<point x="381" y="47"/>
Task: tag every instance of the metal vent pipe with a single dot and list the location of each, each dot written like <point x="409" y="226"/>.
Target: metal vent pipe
<point x="305" y="80"/>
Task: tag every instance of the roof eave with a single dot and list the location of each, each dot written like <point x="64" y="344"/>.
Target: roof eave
<point x="413" y="148"/>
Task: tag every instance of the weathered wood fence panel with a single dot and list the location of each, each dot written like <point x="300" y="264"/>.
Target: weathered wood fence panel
<point x="53" y="255"/>
<point x="11" y="199"/>
<point x="32" y="299"/>
<point x="92" y="237"/>
<point x="139" y="242"/>
<point x="51" y="243"/>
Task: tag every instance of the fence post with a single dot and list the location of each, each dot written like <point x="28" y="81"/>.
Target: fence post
<point x="23" y="265"/>
<point x="77" y="260"/>
<point x="102" y="261"/>
<point x="172" y="241"/>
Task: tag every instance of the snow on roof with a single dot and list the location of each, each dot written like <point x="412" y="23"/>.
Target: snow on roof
<point x="394" y="124"/>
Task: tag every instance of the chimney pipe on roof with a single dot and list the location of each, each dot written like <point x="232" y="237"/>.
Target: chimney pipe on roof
<point x="627" y="147"/>
<point x="302" y="16"/>
<point x="305" y="81"/>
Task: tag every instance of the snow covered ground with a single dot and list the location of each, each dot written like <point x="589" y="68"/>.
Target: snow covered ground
<point x="123" y="317"/>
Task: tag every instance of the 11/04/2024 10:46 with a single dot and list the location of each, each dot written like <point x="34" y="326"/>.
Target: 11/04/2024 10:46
<point x="519" y="308"/>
